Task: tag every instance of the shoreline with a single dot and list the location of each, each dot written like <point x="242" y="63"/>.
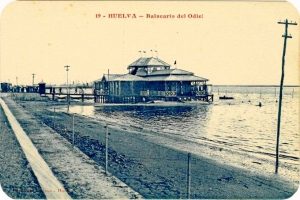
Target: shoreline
<point x="156" y="170"/>
<point x="259" y="163"/>
<point x="255" y="85"/>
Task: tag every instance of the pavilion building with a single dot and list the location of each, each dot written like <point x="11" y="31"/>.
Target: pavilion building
<point x="150" y="79"/>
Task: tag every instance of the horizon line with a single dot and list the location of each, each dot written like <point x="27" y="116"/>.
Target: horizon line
<point x="249" y="85"/>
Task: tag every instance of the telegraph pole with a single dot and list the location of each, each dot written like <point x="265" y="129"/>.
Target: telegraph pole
<point x="286" y="23"/>
<point x="33" y="75"/>
<point x="68" y="98"/>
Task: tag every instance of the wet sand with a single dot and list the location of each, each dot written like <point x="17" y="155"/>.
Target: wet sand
<point x="156" y="171"/>
<point x="16" y="176"/>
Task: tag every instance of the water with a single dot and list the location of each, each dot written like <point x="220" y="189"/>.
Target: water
<point x="239" y="125"/>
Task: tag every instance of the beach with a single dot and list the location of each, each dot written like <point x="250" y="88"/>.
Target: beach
<point x="152" y="165"/>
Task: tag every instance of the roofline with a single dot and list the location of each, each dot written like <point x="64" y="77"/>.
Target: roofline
<point x="145" y="66"/>
<point x="160" y="60"/>
<point x="147" y="80"/>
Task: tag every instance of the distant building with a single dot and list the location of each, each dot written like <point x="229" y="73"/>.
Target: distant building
<point x="150" y="79"/>
<point x="6" y="87"/>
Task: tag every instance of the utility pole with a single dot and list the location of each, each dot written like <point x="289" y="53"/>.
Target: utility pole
<point x="286" y="23"/>
<point x="189" y="177"/>
<point x="33" y="75"/>
<point x="68" y="98"/>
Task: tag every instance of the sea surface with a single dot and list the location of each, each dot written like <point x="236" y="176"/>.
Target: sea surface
<point x="238" y="124"/>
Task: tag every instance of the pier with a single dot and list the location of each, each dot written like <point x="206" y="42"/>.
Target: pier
<point x="148" y="79"/>
<point x="78" y="92"/>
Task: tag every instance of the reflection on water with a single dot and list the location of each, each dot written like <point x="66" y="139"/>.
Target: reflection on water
<point x="170" y="118"/>
<point x="237" y="124"/>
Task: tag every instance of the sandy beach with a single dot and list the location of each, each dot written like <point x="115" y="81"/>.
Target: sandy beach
<point x="154" y="170"/>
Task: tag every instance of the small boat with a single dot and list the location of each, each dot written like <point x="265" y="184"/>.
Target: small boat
<point x="225" y="98"/>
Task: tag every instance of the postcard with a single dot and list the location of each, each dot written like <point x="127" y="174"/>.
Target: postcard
<point x="149" y="99"/>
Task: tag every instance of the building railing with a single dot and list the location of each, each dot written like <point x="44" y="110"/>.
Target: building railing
<point x="158" y="93"/>
<point x="101" y="92"/>
<point x="200" y="93"/>
<point x="144" y="93"/>
<point x="170" y="93"/>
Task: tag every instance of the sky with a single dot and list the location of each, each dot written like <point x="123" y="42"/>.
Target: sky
<point x="234" y="42"/>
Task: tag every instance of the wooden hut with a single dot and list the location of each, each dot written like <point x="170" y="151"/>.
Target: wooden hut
<point x="150" y="79"/>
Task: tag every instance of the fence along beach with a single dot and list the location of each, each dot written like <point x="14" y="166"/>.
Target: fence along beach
<point x="154" y="162"/>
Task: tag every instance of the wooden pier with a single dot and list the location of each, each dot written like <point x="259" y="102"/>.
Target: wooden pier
<point x="80" y="92"/>
<point x="90" y="92"/>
